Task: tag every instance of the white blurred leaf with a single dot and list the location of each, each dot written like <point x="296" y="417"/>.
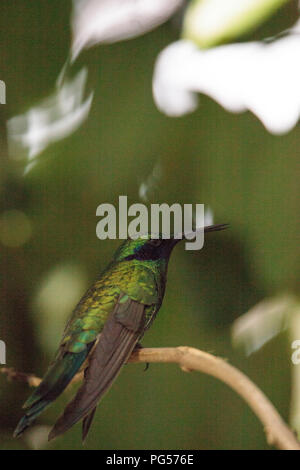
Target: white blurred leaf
<point x="53" y="119"/>
<point x="262" y="77"/>
<point x="100" y="21"/>
<point x="263" y="322"/>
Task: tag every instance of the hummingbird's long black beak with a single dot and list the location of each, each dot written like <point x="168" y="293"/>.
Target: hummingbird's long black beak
<point x="208" y="228"/>
<point x="215" y="228"/>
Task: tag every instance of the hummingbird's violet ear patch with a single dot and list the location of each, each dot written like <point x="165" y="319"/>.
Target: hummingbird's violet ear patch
<point x="262" y="77"/>
<point x="109" y="21"/>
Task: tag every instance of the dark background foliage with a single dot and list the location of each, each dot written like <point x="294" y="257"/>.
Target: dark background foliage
<point x="226" y="161"/>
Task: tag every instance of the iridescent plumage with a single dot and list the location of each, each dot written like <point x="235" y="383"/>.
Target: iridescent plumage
<point x="103" y="330"/>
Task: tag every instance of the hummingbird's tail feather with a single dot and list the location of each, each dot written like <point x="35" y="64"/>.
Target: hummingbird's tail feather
<point x="58" y="376"/>
<point x="29" y="417"/>
<point x="86" y="424"/>
<point x="215" y="228"/>
<point x="117" y="340"/>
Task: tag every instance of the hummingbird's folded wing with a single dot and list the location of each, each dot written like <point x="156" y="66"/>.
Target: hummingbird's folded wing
<point x="116" y="342"/>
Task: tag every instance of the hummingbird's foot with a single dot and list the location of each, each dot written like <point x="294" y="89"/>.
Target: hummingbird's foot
<point x="137" y="347"/>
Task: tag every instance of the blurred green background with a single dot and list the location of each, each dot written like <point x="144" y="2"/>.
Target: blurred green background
<point x="249" y="178"/>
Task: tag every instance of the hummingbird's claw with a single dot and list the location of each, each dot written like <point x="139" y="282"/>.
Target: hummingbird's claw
<point x="139" y="346"/>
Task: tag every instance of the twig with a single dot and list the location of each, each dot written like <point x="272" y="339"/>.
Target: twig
<point x="12" y="374"/>
<point x="31" y="379"/>
<point x="190" y="359"/>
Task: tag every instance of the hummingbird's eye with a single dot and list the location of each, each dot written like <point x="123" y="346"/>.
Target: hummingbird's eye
<point x="155" y="242"/>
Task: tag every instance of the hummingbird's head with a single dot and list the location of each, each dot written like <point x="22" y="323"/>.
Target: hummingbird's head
<point x="154" y="249"/>
<point x="146" y="249"/>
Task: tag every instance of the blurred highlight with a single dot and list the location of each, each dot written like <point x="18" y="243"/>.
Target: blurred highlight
<point x="15" y="228"/>
<point x="211" y="22"/>
<point x="37" y="437"/>
<point x="294" y="333"/>
<point x="151" y="183"/>
<point x="57" y="295"/>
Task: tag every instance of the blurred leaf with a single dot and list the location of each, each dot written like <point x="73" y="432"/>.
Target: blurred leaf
<point x="264" y="321"/>
<point x="211" y="22"/>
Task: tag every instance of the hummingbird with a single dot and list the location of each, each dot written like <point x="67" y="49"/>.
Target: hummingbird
<point x="105" y="327"/>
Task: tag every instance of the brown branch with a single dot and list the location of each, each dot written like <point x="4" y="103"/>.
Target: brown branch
<point x="190" y="359"/>
<point x="12" y="374"/>
<point x="31" y="379"/>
